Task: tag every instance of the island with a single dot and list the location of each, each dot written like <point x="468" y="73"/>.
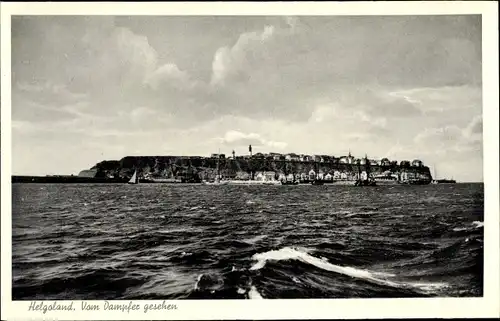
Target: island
<point x="195" y="169"/>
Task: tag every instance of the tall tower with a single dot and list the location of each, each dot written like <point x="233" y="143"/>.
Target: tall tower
<point x="250" y="150"/>
<point x="234" y="157"/>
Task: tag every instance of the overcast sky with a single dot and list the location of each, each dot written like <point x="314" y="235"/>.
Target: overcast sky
<point x="86" y="89"/>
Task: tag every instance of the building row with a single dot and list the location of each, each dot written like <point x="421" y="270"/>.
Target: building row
<point x="349" y="159"/>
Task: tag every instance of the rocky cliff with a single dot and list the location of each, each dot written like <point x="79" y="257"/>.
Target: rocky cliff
<point x="205" y="167"/>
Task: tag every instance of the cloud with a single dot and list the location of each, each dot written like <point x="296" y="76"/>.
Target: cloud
<point x="431" y="100"/>
<point x="46" y="102"/>
<point x="235" y="61"/>
<point x="171" y="74"/>
<point x="272" y="71"/>
<point x="236" y="138"/>
<point x="361" y="124"/>
<point x="444" y="137"/>
<point x="376" y="101"/>
<point x="453" y="138"/>
<point x="46" y="92"/>
<point x="311" y="84"/>
<point x="475" y="127"/>
<point x="134" y="52"/>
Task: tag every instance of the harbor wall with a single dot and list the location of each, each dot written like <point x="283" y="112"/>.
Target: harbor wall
<point x="64" y="179"/>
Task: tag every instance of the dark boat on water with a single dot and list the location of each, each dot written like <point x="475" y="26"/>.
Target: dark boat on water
<point x="444" y="181"/>
<point x="365" y="182"/>
<point x="287" y="182"/>
<point x="317" y="180"/>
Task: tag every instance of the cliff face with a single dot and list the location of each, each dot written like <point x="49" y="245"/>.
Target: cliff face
<point x="205" y="168"/>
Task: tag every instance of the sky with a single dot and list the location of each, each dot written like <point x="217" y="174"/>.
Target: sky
<point x="93" y="88"/>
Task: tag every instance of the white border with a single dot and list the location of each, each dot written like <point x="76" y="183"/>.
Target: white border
<point x="488" y="306"/>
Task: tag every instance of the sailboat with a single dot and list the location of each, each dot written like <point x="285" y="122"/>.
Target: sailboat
<point x="134" y="179"/>
<point x="368" y="181"/>
<point x="218" y="180"/>
<point x="434" y="181"/>
<point x="443" y="180"/>
<point x="317" y="180"/>
<point x="285" y="180"/>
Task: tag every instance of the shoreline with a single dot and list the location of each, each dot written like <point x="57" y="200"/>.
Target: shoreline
<point x="60" y="179"/>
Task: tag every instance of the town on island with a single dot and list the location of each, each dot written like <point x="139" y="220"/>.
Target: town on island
<point x="251" y="169"/>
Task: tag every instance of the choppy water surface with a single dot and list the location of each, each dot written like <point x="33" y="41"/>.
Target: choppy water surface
<point x="189" y="241"/>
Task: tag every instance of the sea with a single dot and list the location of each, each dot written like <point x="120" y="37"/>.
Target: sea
<point x="176" y="241"/>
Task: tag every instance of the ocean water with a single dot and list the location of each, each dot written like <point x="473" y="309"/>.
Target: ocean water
<point x="158" y="241"/>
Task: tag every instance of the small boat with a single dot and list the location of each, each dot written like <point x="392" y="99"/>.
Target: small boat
<point x="344" y="182"/>
<point x="216" y="182"/>
<point x="367" y="180"/>
<point x="287" y="182"/>
<point x="317" y="180"/>
<point x="218" y="179"/>
<point x="442" y="180"/>
<point x="134" y="179"/>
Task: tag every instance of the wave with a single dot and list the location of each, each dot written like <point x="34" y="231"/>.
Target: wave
<point x="253" y="294"/>
<point x="362" y="213"/>
<point x="475" y="225"/>
<point x="254" y="239"/>
<point x="380" y="278"/>
<point x="460" y="229"/>
<point x="179" y="242"/>
<point x="210" y="282"/>
<point x="478" y="224"/>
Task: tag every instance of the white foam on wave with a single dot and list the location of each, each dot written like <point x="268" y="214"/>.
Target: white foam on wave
<point x="253" y="294"/>
<point x="294" y="254"/>
<point x="478" y="224"/>
<point x="198" y="279"/>
<point x="380" y="278"/>
<point x="255" y="239"/>
<point x="429" y="287"/>
<point x="361" y="213"/>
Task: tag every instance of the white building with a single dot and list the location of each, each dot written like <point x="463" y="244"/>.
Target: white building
<point x="292" y="157"/>
<point x="349" y="159"/>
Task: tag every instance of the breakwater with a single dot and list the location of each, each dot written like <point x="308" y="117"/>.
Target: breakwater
<point x="65" y="179"/>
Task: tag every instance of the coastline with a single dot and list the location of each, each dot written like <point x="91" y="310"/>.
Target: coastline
<point x="60" y="179"/>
